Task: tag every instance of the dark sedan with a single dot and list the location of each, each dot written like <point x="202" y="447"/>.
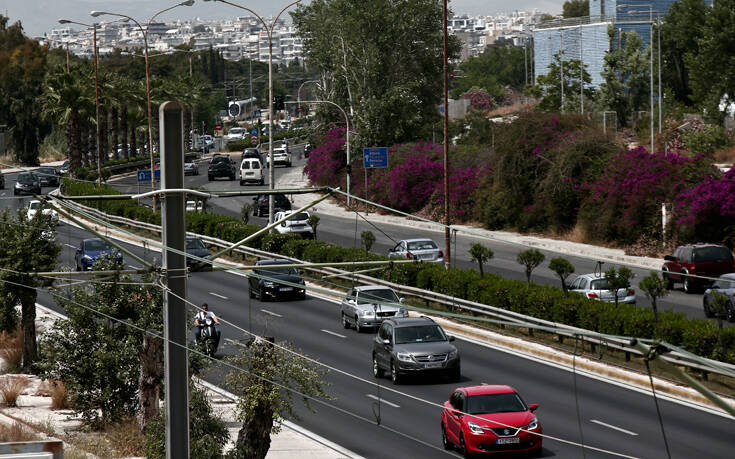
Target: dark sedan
<point x="221" y="166"/>
<point x="265" y="284"/>
<point x="195" y="246"/>
<point x="27" y="183"/>
<point x="92" y="250"/>
<point x="280" y="202"/>
<point x="48" y="176"/>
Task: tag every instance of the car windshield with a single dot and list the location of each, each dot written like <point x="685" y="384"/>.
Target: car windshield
<point x="724" y="283"/>
<point x="494" y="403"/>
<point x="383" y="295"/>
<point x="600" y="284"/>
<point x="419" y="334"/>
<point x="96" y="245"/>
<point x="194" y="243"/>
<point x="300" y="216"/>
<point x="34" y="205"/>
<point x="26" y="178"/>
<point x="421" y="245"/>
<point x="220" y="159"/>
<point x="237" y="131"/>
<point x="46" y="171"/>
<point x="274" y="269"/>
<point x="712" y="254"/>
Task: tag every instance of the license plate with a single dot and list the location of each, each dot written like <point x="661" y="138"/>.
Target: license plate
<point x="286" y="289"/>
<point x="432" y="365"/>
<point x="249" y="173"/>
<point x="506" y="441"/>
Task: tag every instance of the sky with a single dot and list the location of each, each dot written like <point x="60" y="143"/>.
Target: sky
<point x="40" y="16"/>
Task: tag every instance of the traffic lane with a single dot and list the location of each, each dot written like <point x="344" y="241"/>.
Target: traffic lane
<point x="352" y="354"/>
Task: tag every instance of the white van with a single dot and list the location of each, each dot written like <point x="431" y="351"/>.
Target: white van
<point x="251" y="171"/>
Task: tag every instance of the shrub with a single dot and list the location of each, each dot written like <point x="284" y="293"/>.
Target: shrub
<point x="11" y="387"/>
<point x="706" y="212"/>
<point x="59" y="395"/>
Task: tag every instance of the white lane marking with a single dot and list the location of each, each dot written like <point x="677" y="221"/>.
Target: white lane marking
<point x="70" y="246"/>
<point x="614" y="427"/>
<point x="133" y="267"/>
<point x="334" y="334"/>
<point x="219" y="296"/>
<point x="383" y="401"/>
<point x="271" y="313"/>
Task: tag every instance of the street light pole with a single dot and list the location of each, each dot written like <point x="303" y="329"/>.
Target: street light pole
<point x="269" y="30"/>
<point x="447" y="237"/>
<point x="660" y="99"/>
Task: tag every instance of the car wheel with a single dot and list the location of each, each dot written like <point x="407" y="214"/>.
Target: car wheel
<point x="345" y="322"/>
<point x="242" y="182"/>
<point x="688" y="283"/>
<point x="455" y="375"/>
<point x="707" y="310"/>
<point x="445" y="441"/>
<point x="261" y="295"/>
<point x="232" y="177"/>
<point x="251" y="293"/>
<point x="463" y="447"/>
<point x="377" y="371"/>
<point x="358" y="328"/>
<point x="667" y="279"/>
<point x="210" y="178"/>
<point x="730" y="312"/>
<point x="262" y="182"/>
<point x="15" y="192"/>
<point x="395" y="377"/>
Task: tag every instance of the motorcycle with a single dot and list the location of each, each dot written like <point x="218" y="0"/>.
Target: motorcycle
<point x="208" y="337"/>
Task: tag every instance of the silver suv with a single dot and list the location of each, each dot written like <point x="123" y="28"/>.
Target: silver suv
<point x="366" y="306"/>
<point x="413" y="346"/>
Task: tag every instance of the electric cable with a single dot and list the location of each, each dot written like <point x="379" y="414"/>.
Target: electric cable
<point x="576" y="394"/>
<point x="655" y="401"/>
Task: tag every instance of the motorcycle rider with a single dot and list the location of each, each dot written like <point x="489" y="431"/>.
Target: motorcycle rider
<point x="199" y="321"/>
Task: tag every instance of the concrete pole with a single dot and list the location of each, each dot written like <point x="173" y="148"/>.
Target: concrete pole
<point x="581" y="75"/>
<point x="173" y="222"/>
<point x="97" y="102"/>
<point x="650" y="49"/>
<point x="447" y="237"/>
<point x="660" y="99"/>
<point x="271" y="167"/>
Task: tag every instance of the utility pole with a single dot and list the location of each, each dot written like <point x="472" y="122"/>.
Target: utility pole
<point x="176" y="376"/>
<point x="447" y="237"/>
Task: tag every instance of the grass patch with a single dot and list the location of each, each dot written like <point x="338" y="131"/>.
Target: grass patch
<point x="16" y="432"/>
<point x="117" y="440"/>
<point x="11" y="388"/>
<point x="11" y="350"/>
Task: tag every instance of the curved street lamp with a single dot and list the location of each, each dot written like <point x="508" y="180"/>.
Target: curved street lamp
<point x="147" y="72"/>
<point x="269" y="30"/>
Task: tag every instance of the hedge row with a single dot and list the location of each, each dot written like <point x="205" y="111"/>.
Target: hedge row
<point x="698" y="336"/>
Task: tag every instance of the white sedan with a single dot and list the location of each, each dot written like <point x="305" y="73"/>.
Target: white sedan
<point x="419" y="249"/>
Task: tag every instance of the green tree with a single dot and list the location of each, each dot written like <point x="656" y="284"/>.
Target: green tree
<point x="390" y="81"/>
<point x="481" y="255"/>
<point x="563" y="268"/>
<point x="368" y="239"/>
<point x="626" y="73"/>
<point x="25" y="248"/>
<point x="654" y="287"/>
<point x="313" y="221"/>
<point x="548" y="86"/>
<point x="618" y="279"/>
<point x="712" y="67"/>
<point x="245" y="211"/>
<point x="576" y="8"/>
<point x="530" y="259"/>
<point x="265" y="388"/>
<point x="207" y="433"/>
<point x="498" y="66"/>
<point x="681" y="32"/>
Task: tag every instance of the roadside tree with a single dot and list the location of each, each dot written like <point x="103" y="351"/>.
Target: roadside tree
<point x="313" y="221"/>
<point x="618" y="279"/>
<point x="655" y="288"/>
<point x="481" y="255"/>
<point x="368" y="239"/>
<point x="563" y="268"/>
<point x="548" y="86"/>
<point x="530" y="259"/>
<point x="576" y="8"/>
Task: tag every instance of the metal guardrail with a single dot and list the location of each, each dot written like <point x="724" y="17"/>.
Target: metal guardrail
<point x="563" y="330"/>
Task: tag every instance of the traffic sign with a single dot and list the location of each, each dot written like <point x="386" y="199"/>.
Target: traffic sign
<point x="256" y="113"/>
<point x="218" y="127"/>
<point x="375" y="157"/>
<point x="145" y="175"/>
<point x="254" y="140"/>
<point x="254" y="131"/>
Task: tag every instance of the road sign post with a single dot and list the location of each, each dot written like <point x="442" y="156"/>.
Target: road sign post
<point x="373" y="158"/>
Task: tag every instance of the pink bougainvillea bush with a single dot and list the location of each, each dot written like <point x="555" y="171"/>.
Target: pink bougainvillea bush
<point x="327" y="161"/>
<point x="706" y="212"/>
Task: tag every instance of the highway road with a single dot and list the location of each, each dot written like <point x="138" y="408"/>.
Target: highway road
<point x="610" y="417"/>
<point x="342" y="231"/>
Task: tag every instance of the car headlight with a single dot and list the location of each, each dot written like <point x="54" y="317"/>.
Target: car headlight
<point x="402" y="312"/>
<point x="404" y="357"/>
<point x="268" y="284"/>
<point x="367" y="313"/>
<point x="452" y="354"/>
<point x="87" y="258"/>
<point x="475" y="428"/>
<point x="533" y="425"/>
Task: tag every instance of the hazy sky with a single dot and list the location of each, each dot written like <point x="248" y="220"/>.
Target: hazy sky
<point x="39" y="16"/>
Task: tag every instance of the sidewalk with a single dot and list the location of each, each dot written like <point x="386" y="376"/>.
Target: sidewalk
<point x="296" y="179"/>
<point x="34" y="408"/>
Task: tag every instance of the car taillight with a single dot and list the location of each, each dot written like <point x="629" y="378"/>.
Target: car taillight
<point x="592" y="295"/>
<point x="409" y="255"/>
<point x="631" y="292"/>
<point x="441" y="254"/>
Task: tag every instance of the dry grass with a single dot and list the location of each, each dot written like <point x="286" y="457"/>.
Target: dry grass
<point x="59" y="396"/>
<point x="11" y="387"/>
<point x="6" y="161"/>
<point x="575" y="234"/>
<point x="11" y="350"/>
<point x="16" y="432"/>
<point x="52" y="154"/>
<point x="117" y="440"/>
<point x="725" y="156"/>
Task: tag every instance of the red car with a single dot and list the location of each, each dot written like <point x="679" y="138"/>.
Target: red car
<point x="490" y="419"/>
<point x="707" y="260"/>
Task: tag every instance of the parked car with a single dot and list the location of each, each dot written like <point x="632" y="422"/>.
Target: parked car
<point x="420" y="249"/>
<point x="701" y="259"/>
<point x="251" y="171"/>
<point x="725" y="285"/>
<point x="64" y="168"/>
<point x="221" y="166"/>
<point x="281" y="157"/>
<point x="265" y="284"/>
<point x="35" y="205"/>
<point x="280" y="202"/>
<point x="27" y="183"/>
<point x="191" y="168"/>
<point x="48" y="176"/>
<point x="490" y="419"/>
<point x="597" y="287"/>
<point x="235" y="134"/>
<point x="2" y="181"/>
<point x="295" y="225"/>
<point x="368" y="306"/>
<point x="195" y="246"/>
<point x="414" y="346"/>
<point x="91" y="250"/>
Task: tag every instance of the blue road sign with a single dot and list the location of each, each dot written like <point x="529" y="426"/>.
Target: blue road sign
<point x="256" y="113"/>
<point x="145" y="175"/>
<point x="254" y="131"/>
<point x="375" y="157"/>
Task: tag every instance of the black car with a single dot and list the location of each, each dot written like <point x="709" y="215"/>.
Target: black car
<point x="265" y="285"/>
<point x="64" y="168"/>
<point x="280" y="202"/>
<point x="250" y="153"/>
<point x="221" y="166"/>
<point x="2" y="181"/>
<point x="27" y="183"/>
<point x="48" y="176"/>
<point x="195" y="246"/>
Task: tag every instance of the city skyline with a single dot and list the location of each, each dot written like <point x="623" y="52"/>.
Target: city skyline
<point x="41" y="16"/>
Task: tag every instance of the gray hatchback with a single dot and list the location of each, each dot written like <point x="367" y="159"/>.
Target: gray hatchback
<point x="414" y="346"/>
